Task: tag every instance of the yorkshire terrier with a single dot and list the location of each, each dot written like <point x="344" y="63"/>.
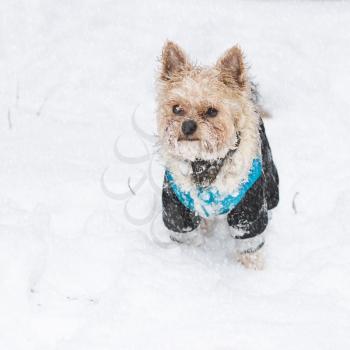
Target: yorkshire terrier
<point x="217" y="157"/>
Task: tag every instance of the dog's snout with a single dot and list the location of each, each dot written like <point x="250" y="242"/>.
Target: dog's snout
<point x="189" y="127"/>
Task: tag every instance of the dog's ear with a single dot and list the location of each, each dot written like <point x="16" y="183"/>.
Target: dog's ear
<point x="173" y="61"/>
<point x="231" y="68"/>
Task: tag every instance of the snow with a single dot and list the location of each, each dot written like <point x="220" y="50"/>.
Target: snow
<point x="81" y="270"/>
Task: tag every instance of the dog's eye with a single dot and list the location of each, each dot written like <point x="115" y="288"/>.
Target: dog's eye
<point x="178" y="110"/>
<point x="211" y="112"/>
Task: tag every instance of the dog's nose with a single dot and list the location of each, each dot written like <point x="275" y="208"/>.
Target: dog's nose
<point x="189" y="127"/>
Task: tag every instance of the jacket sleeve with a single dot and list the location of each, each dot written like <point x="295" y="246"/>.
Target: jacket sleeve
<point x="270" y="172"/>
<point x="248" y="219"/>
<point x="176" y="216"/>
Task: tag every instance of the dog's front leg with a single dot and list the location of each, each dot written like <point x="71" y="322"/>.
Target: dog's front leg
<point x="250" y="252"/>
<point x="247" y="223"/>
<point x="182" y="223"/>
<point x="194" y="238"/>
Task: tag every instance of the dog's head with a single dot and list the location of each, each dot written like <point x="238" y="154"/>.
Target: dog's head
<point x="200" y="108"/>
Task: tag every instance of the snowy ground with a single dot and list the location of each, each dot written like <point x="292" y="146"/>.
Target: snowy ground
<point x="76" y="271"/>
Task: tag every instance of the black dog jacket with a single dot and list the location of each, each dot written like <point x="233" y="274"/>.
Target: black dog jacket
<point x="249" y="216"/>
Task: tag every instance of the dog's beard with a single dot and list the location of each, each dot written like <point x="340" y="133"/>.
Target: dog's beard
<point x="207" y="149"/>
<point x="189" y="150"/>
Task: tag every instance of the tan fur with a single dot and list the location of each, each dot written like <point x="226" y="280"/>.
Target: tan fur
<point x="224" y="86"/>
<point x="253" y="261"/>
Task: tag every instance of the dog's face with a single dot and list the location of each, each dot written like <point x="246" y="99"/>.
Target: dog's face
<point x="199" y="108"/>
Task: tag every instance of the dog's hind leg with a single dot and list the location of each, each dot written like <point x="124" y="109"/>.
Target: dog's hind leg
<point x="206" y="226"/>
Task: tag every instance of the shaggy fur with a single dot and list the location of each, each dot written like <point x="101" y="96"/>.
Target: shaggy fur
<point x="225" y="87"/>
<point x="194" y="89"/>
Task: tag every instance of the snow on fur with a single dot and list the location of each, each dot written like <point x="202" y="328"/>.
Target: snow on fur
<point x="80" y="270"/>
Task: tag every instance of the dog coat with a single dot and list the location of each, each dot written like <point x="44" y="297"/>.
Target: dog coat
<point x="208" y="201"/>
<point x="246" y="209"/>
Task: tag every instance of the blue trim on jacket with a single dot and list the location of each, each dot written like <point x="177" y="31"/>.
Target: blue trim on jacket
<point x="208" y="201"/>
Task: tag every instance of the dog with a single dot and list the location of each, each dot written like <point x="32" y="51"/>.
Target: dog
<point x="217" y="158"/>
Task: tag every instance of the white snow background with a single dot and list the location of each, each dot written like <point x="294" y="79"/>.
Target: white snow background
<point x="78" y="271"/>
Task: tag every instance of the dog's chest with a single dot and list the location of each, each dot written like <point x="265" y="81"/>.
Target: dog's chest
<point x="204" y="172"/>
<point x="205" y="196"/>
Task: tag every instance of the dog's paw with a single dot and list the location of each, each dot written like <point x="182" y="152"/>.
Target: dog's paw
<point x="253" y="261"/>
<point x="190" y="238"/>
